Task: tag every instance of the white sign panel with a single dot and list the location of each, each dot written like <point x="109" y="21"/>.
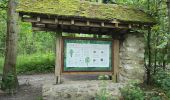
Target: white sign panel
<point x="87" y="55"/>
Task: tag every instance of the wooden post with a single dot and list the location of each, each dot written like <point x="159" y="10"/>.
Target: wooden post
<point x="58" y="61"/>
<point x="115" y="60"/>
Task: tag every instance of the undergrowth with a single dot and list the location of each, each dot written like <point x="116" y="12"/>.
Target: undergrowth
<point x="35" y="63"/>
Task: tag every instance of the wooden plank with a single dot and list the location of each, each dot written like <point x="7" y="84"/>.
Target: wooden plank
<point x="115" y="60"/>
<point x="88" y="23"/>
<point x="38" y="19"/>
<point x="72" y="22"/>
<point x="58" y="63"/>
<point x="56" y="21"/>
<point x="83" y="30"/>
<point x="29" y="19"/>
<point x="102" y="24"/>
<point x="130" y="26"/>
<point x="86" y="73"/>
<point x="75" y="23"/>
<point x="116" y="25"/>
<point x="115" y="21"/>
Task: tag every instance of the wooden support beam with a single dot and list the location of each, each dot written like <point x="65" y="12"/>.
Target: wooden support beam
<point x="102" y="24"/>
<point x="115" y="60"/>
<point x="72" y="22"/>
<point x="38" y="19"/>
<point x="115" y="21"/>
<point x="79" y="23"/>
<point x="56" y="21"/>
<point x="116" y="25"/>
<point x="58" y="63"/>
<point x="88" y="23"/>
<point x="130" y="26"/>
<point x="29" y="19"/>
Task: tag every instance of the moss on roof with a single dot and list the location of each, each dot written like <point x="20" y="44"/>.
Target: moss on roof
<point x="77" y="8"/>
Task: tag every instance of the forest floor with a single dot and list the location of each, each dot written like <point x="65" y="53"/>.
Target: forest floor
<point x="31" y="85"/>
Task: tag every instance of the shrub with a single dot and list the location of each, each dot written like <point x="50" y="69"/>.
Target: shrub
<point x="8" y="84"/>
<point x="162" y="80"/>
<point x="132" y="92"/>
<point x="36" y="63"/>
<point x="103" y="77"/>
<point x="156" y="94"/>
<point x="159" y="77"/>
<point x="104" y="93"/>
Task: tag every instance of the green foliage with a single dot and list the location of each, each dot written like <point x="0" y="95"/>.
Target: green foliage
<point x="32" y="42"/>
<point x="156" y="97"/>
<point x="103" y="77"/>
<point x="162" y="80"/>
<point x="36" y="63"/>
<point x="39" y="98"/>
<point x="1" y="65"/>
<point x="8" y="83"/>
<point x="103" y="93"/>
<point x="159" y="77"/>
<point x="156" y="94"/>
<point x="132" y="92"/>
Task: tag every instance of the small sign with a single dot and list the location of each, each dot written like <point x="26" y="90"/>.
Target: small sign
<point x="87" y="55"/>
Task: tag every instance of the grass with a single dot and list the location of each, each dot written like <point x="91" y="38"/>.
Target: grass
<point x="35" y="63"/>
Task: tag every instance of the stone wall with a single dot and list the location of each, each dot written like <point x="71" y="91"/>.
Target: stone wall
<point x="131" y="58"/>
<point x="81" y="90"/>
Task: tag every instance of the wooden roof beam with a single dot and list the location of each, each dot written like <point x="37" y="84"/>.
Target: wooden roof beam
<point x="56" y="21"/>
<point x="72" y="21"/>
<point x="88" y="23"/>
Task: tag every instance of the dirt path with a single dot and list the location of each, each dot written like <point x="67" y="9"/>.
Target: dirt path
<point x="31" y="85"/>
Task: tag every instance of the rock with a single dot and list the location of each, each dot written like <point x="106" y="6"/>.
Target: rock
<point x="132" y="58"/>
<point x="77" y="91"/>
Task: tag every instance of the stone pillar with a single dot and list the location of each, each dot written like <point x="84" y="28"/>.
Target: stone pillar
<point x="132" y="58"/>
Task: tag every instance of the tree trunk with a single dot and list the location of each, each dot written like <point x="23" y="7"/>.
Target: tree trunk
<point x="149" y="57"/>
<point x="168" y="46"/>
<point x="9" y="79"/>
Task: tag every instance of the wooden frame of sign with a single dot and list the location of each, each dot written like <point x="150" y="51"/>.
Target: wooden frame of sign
<point x="59" y="70"/>
<point x="90" y="70"/>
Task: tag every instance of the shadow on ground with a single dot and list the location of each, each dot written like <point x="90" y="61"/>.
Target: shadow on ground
<point x="31" y="85"/>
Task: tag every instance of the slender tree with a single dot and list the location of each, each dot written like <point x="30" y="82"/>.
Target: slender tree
<point x="9" y="79"/>
<point x="168" y="7"/>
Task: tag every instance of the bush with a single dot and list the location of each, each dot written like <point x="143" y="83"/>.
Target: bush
<point x="155" y="94"/>
<point x="162" y="80"/>
<point x="159" y="77"/>
<point x="8" y="83"/>
<point x="103" y="77"/>
<point x="104" y="93"/>
<point x="132" y="92"/>
<point x="36" y="63"/>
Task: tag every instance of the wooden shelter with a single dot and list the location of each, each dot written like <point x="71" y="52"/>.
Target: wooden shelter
<point x="75" y="16"/>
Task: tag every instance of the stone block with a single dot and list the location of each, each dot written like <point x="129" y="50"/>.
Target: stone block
<point x="80" y="90"/>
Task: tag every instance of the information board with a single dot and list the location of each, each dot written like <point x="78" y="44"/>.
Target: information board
<point x="87" y="55"/>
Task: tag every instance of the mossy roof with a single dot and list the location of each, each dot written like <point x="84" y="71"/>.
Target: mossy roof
<point x="78" y="8"/>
